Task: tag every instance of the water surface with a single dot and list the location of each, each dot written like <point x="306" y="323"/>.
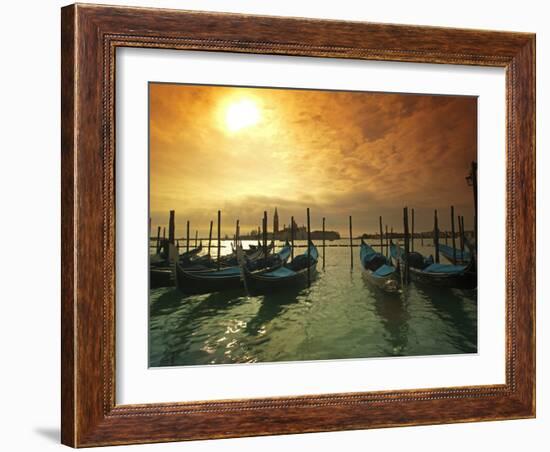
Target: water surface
<point x="340" y="316"/>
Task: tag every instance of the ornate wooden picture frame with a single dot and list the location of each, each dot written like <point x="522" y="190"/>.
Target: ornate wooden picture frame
<point x="90" y="37"/>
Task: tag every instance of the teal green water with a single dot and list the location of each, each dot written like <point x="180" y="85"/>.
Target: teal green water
<point x="340" y="316"/>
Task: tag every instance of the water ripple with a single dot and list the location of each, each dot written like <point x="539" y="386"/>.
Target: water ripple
<point x="340" y="316"/>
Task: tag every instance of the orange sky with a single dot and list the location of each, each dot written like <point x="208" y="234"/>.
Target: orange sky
<point x="246" y="150"/>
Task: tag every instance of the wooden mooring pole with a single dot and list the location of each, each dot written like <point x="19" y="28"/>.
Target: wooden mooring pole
<point x="219" y="237"/>
<point x="187" y="238"/>
<point x="308" y="249"/>
<point x="172" y="227"/>
<point x="461" y="232"/>
<point x="210" y="237"/>
<point x="387" y="243"/>
<point x="158" y="240"/>
<point x="324" y="245"/>
<point x="351" y="241"/>
<point x="196" y="238"/>
<point x="412" y="230"/>
<point x="264" y="225"/>
<point x="291" y="238"/>
<point x="236" y="243"/>
<point x="381" y="235"/>
<point x="453" y="233"/>
<point x="436" y="237"/>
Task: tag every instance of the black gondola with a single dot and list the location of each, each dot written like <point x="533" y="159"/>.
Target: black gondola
<point x="378" y="269"/>
<point x="206" y="262"/>
<point x="212" y="280"/>
<point x="161" y="271"/>
<point x="161" y="259"/>
<point x="456" y="257"/>
<point x="291" y="275"/>
<point x="425" y="271"/>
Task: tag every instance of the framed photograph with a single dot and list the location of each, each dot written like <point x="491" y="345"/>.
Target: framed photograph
<point x="281" y="225"/>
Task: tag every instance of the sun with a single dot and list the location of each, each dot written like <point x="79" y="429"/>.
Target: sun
<point x="241" y="114"/>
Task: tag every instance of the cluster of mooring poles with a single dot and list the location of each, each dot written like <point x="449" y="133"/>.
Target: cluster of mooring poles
<point x="386" y="235"/>
<point x="262" y="236"/>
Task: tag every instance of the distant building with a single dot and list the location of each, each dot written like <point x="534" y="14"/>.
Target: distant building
<point x="329" y="235"/>
<point x="275" y="222"/>
<point x="300" y="232"/>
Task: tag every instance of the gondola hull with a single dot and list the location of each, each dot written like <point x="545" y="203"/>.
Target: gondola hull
<point x="464" y="280"/>
<point x="458" y="257"/>
<point x="377" y="269"/>
<point x="386" y="283"/>
<point x="192" y="282"/>
<point x="206" y="262"/>
<point x="161" y="271"/>
<point x="258" y="284"/>
<point x="161" y="277"/>
<point x="298" y="274"/>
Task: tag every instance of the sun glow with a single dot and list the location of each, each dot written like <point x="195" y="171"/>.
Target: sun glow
<point x="241" y="114"/>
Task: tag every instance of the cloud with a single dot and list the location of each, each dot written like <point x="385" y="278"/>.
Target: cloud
<point x="339" y="153"/>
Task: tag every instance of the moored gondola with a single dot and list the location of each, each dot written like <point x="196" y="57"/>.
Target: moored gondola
<point x="291" y="275"/>
<point x="161" y="259"/>
<point x="206" y="262"/>
<point x="458" y="257"/>
<point x="213" y="280"/>
<point x="425" y="271"/>
<point x="378" y="269"/>
<point x="161" y="270"/>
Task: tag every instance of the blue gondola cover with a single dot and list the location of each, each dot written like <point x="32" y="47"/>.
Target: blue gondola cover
<point x="444" y="268"/>
<point x="281" y="272"/>
<point x="384" y="270"/>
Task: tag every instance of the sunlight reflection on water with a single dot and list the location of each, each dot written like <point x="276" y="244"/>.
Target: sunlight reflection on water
<point x="339" y="316"/>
